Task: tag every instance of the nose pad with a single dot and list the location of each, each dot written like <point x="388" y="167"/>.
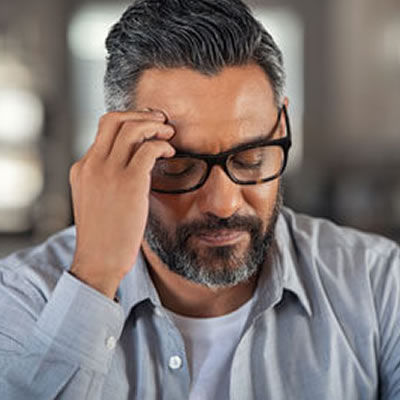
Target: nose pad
<point x="220" y="195"/>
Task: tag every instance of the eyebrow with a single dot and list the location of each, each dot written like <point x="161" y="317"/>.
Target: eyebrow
<point x="259" y="139"/>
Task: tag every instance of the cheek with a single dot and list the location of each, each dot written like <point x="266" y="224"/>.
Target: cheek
<point x="262" y="199"/>
<point x="170" y="209"/>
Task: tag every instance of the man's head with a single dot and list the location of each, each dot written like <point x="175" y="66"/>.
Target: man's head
<point x="218" y="76"/>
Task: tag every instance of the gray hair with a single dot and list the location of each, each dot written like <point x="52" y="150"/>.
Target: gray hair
<point x="204" y="35"/>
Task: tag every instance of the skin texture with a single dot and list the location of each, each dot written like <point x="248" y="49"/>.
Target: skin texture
<point x="110" y="185"/>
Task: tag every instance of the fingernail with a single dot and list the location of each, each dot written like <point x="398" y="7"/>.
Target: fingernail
<point x="159" y="113"/>
<point x="156" y="113"/>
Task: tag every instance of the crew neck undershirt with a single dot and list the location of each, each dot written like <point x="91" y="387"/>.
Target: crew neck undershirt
<point x="210" y="344"/>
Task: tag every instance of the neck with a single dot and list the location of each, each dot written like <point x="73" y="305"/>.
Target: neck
<point x="193" y="300"/>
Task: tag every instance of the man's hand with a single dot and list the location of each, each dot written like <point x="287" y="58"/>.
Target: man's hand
<point x="110" y="193"/>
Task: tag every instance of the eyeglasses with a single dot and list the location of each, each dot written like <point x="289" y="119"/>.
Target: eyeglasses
<point x="249" y="164"/>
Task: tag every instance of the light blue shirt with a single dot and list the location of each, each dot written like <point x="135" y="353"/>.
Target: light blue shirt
<point x="325" y="325"/>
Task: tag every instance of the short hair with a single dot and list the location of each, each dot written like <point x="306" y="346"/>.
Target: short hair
<point x="204" y="35"/>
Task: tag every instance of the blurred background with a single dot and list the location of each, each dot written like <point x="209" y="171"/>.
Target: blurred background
<point x="343" y="64"/>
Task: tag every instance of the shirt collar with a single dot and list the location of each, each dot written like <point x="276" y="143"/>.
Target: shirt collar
<point x="137" y="286"/>
<point x="278" y="275"/>
<point x="286" y="259"/>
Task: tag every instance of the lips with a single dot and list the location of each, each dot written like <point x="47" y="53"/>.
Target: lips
<point x="221" y="237"/>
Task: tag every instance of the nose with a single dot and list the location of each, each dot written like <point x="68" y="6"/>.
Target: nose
<point x="219" y="195"/>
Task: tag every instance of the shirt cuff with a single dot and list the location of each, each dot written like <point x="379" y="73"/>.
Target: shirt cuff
<point x="82" y="323"/>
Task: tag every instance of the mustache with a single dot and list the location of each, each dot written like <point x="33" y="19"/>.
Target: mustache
<point x="211" y="223"/>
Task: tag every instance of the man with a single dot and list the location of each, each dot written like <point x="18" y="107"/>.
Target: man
<point x="184" y="277"/>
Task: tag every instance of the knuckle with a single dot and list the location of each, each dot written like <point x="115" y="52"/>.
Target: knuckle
<point x="75" y="168"/>
<point x="103" y="119"/>
<point x="106" y="118"/>
<point x="87" y="170"/>
<point x="114" y="114"/>
<point x="77" y="171"/>
<point x="88" y="167"/>
<point x="151" y="148"/>
<point x="129" y="128"/>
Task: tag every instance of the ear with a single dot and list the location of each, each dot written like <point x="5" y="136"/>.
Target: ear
<point x="286" y="102"/>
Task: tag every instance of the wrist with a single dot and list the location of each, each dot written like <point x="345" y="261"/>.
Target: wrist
<point x="106" y="285"/>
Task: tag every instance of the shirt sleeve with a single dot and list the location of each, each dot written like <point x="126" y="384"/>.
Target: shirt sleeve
<point x="387" y="300"/>
<point x="60" y="347"/>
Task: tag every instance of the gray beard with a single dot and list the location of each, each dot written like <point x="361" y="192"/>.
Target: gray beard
<point x="220" y="266"/>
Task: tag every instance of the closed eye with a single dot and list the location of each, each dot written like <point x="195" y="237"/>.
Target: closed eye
<point x="179" y="173"/>
<point x="247" y="165"/>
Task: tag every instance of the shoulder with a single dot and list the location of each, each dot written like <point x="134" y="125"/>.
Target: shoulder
<point x="340" y="266"/>
<point x="321" y="238"/>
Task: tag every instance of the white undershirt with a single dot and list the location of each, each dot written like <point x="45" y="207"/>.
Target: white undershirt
<point x="210" y="344"/>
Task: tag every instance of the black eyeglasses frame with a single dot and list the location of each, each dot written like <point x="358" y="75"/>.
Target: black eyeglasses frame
<point x="221" y="158"/>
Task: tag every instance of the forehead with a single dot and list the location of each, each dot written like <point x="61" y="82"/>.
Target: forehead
<point x="210" y="113"/>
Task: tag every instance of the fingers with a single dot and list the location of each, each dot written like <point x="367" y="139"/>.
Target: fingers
<point x="125" y="141"/>
<point x="110" y="125"/>
<point x="133" y="135"/>
<point x="148" y="153"/>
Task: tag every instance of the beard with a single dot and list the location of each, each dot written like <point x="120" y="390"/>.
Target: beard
<point x="219" y="266"/>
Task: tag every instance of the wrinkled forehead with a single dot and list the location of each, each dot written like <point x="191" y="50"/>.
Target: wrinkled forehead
<point x="210" y="113"/>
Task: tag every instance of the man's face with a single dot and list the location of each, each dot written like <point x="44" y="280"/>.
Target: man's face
<point x="220" y="234"/>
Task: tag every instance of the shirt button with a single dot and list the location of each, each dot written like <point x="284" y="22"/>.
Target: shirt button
<point x="175" y="362"/>
<point x="111" y="342"/>
<point x="158" y="312"/>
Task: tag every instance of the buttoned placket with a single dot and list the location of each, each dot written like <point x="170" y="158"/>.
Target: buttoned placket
<point x="176" y="368"/>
